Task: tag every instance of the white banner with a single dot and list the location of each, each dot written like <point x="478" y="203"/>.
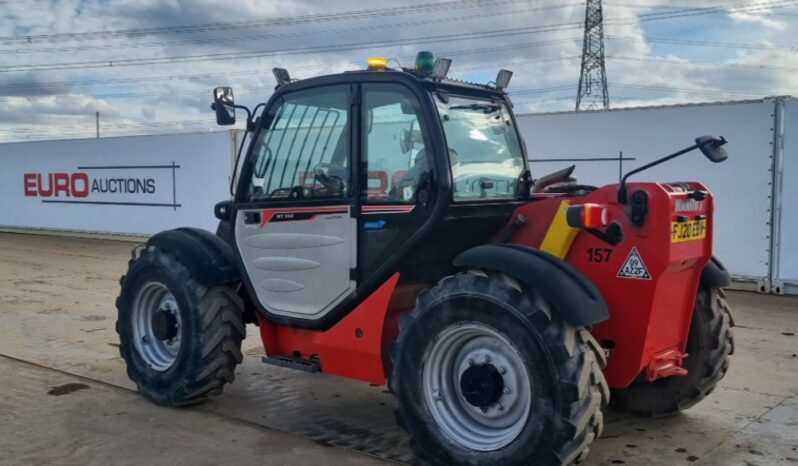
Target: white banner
<point x="128" y="185"/>
<point x="594" y="142"/>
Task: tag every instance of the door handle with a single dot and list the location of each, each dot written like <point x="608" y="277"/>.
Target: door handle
<point x="251" y="218"/>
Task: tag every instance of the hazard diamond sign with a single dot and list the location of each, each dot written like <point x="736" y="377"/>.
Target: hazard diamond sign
<point x="634" y="267"/>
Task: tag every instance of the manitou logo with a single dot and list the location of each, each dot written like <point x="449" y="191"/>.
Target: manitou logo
<point x="129" y="185"/>
<point x="688" y="205"/>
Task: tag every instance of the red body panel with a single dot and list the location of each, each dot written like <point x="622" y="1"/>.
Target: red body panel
<point x="646" y="333"/>
<point x="353" y="347"/>
<point x="649" y="318"/>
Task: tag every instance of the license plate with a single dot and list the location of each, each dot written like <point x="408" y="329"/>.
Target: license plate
<point x="688" y="231"/>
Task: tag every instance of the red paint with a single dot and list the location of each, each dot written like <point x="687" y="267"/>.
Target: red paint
<point x="397" y="177"/>
<point x="380" y="176"/>
<point x="30" y="184"/>
<point x="45" y="192"/>
<point x="79" y="189"/>
<point x="56" y="184"/>
<point x="268" y="214"/>
<point x="388" y="209"/>
<point x="339" y="349"/>
<point x="61" y="184"/>
<point x="648" y="318"/>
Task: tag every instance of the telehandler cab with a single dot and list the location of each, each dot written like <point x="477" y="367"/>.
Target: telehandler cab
<point x="384" y="226"/>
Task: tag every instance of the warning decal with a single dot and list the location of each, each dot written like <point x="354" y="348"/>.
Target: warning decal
<point x="633" y="267"/>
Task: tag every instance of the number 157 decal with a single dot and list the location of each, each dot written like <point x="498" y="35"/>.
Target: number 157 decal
<point x="599" y="254"/>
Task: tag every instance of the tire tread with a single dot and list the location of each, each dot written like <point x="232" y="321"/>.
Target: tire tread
<point x="583" y="390"/>
<point x="219" y="310"/>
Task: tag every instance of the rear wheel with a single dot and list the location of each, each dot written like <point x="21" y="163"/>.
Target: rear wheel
<point x="709" y="346"/>
<point x="181" y="341"/>
<point x="486" y="373"/>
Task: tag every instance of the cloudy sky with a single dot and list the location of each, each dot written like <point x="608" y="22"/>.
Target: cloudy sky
<point x="148" y="66"/>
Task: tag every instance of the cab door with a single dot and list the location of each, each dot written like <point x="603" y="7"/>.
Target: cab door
<point x="294" y="228"/>
<point x="397" y="157"/>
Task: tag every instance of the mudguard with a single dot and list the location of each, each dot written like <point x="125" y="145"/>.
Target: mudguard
<point x="209" y="259"/>
<point x="715" y="275"/>
<point x="576" y="298"/>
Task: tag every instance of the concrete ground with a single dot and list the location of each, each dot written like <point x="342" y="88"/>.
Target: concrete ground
<point x="65" y="398"/>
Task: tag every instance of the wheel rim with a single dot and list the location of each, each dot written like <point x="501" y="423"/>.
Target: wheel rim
<point x="472" y="356"/>
<point x="156" y="326"/>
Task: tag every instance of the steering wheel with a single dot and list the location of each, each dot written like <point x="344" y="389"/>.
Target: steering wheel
<point x="323" y="173"/>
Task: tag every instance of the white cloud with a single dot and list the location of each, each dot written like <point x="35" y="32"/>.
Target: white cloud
<point x="140" y="98"/>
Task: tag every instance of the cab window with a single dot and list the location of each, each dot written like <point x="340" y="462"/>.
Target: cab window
<point x="395" y="146"/>
<point x="484" y="148"/>
<point x="304" y="152"/>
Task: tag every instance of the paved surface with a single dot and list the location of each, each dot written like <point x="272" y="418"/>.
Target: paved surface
<point x="50" y="418"/>
<point x="56" y="330"/>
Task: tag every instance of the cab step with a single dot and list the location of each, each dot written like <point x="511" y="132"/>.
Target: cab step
<point x="302" y="364"/>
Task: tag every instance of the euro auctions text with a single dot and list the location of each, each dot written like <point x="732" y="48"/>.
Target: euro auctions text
<point x="80" y="184"/>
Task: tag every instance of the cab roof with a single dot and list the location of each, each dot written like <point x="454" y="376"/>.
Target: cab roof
<point x="393" y="75"/>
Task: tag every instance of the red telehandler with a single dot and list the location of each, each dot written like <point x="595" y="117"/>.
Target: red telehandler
<point x="384" y="226"/>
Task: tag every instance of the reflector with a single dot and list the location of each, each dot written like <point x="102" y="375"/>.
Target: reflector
<point x="587" y="216"/>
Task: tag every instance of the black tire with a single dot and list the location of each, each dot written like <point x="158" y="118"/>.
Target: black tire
<point x="563" y="362"/>
<point x="709" y="346"/>
<point x="210" y="334"/>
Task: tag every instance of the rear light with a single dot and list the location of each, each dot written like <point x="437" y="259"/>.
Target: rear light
<point x="587" y="216"/>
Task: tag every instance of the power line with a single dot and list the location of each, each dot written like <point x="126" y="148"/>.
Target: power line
<point x="279" y="52"/>
<point x="703" y="43"/>
<point x="250" y="89"/>
<point x="453" y="53"/>
<point x="395" y="42"/>
<point x="239" y="39"/>
<point x="258" y="23"/>
<point x="260" y="71"/>
<point x="683" y="90"/>
<point x="728" y="8"/>
<point x="706" y="64"/>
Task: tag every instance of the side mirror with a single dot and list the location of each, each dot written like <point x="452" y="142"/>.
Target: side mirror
<point x="224" y="105"/>
<point x="712" y="148"/>
<point x="223" y="210"/>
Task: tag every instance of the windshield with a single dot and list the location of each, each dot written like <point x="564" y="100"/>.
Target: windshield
<point x="484" y="148"/>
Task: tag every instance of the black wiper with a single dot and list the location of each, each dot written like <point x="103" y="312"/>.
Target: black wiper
<point x="486" y="108"/>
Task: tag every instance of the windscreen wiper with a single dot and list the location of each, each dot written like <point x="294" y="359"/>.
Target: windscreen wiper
<point x="486" y="108"/>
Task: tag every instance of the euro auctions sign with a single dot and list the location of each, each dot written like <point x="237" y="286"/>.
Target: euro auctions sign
<point x="131" y="185"/>
<point x="139" y="185"/>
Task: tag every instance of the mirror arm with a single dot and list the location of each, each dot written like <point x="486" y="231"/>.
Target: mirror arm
<point x="251" y="117"/>
<point x="622" y="195"/>
<point x="249" y="114"/>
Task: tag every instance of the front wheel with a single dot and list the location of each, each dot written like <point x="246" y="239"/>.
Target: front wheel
<point x="181" y="341"/>
<point x="486" y="373"/>
<point x="709" y="346"/>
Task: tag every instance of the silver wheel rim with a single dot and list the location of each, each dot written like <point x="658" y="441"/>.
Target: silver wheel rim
<point x="455" y="350"/>
<point x="158" y="354"/>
